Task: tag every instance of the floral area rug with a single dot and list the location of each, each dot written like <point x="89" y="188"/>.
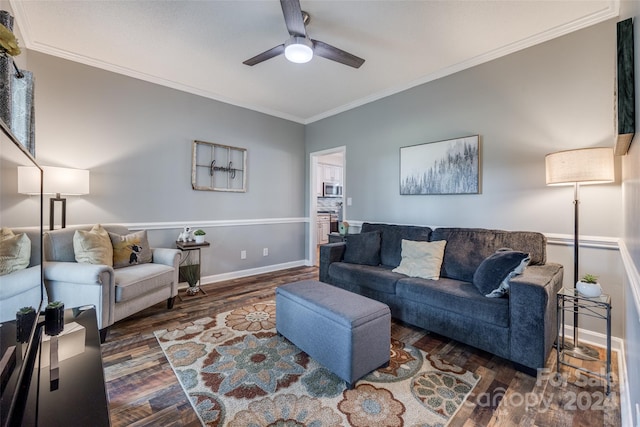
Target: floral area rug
<point x="238" y="372"/>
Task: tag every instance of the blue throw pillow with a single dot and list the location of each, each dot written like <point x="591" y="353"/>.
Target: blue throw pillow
<point x="493" y="274"/>
<point x="363" y="248"/>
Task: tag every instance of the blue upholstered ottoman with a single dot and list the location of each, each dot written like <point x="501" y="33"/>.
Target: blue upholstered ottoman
<point x="345" y="332"/>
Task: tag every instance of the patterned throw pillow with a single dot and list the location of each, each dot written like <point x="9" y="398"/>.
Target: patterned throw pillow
<point x="421" y="259"/>
<point x="93" y="246"/>
<point x="130" y="249"/>
<point x="15" y="251"/>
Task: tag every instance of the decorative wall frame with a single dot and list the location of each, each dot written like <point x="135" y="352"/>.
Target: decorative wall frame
<point x="625" y="119"/>
<point x="217" y="167"/>
<point x="442" y="167"/>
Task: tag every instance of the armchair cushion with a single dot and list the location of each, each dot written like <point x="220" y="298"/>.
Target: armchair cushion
<point x="93" y="246"/>
<point x="138" y="280"/>
<point x="15" y="251"/>
<point x="130" y="249"/>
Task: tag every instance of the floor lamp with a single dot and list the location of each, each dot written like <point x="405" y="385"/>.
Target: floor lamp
<point x="58" y="181"/>
<point x="579" y="167"/>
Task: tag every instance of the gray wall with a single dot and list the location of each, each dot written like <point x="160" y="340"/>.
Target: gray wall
<point x="551" y="97"/>
<point x="631" y="235"/>
<point x="135" y="138"/>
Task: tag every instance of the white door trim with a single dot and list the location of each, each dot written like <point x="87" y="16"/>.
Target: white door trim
<point x="313" y="200"/>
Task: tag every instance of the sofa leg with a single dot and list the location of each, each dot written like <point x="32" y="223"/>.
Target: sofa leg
<point x="170" y="302"/>
<point x="103" y="334"/>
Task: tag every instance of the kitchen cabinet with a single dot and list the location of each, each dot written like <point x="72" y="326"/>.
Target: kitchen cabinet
<point x="323" y="228"/>
<point x="327" y="173"/>
<point x="333" y="173"/>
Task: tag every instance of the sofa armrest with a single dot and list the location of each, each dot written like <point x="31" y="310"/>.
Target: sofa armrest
<point x="166" y="256"/>
<point x="80" y="273"/>
<point x="80" y="284"/>
<point x="533" y="313"/>
<point x="19" y="281"/>
<point x="330" y="252"/>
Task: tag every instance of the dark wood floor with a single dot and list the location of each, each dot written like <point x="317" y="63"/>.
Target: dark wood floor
<point x="144" y="391"/>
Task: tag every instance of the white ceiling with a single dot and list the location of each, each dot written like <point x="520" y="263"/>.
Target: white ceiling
<point x="199" y="46"/>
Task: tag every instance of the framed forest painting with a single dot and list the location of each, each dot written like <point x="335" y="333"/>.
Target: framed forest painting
<point x="442" y="167"/>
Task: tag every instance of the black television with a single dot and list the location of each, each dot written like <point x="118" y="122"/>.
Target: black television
<point x="19" y="341"/>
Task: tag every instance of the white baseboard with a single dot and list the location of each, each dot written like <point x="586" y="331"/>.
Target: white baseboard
<point x="595" y="338"/>
<point x="251" y="272"/>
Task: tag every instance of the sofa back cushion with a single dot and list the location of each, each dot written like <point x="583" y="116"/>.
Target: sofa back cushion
<point x="363" y="248"/>
<point x="468" y="247"/>
<point x="58" y="244"/>
<point x="391" y="239"/>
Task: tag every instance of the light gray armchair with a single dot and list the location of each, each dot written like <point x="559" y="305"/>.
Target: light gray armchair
<point x="22" y="288"/>
<point x="116" y="293"/>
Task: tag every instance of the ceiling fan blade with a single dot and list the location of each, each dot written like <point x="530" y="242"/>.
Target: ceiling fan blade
<point x="268" y="54"/>
<point x="335" y="54"/>
<point x="293" y="17"/>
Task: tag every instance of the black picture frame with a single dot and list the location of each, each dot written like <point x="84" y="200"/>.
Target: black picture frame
<point x="625" y="88"/>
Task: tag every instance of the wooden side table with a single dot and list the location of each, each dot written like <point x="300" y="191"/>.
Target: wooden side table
<point x="188" y="247"/>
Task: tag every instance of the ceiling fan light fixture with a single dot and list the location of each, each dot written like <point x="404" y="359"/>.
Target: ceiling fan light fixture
<point x="298" y="49"/>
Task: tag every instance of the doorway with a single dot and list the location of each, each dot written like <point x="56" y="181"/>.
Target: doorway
<point x="327" y="167"/>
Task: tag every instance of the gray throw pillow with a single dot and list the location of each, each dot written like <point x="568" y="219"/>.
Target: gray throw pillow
<point x="363" y="248"/>
<point x="492" y="276"/>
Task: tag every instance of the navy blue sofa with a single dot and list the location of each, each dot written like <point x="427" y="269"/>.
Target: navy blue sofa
<point x="520" y="327"/>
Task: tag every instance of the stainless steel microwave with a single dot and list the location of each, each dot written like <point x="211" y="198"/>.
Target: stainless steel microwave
<point x="332" y="189"/>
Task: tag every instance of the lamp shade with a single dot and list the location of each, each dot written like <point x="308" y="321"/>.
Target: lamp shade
<point x="583" y="166"/>
<point x="73" y="182"/>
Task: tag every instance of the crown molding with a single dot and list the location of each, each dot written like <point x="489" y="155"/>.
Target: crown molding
<point x="610" y="11"/>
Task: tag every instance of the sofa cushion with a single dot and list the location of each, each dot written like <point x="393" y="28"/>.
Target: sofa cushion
<point x="141" y="279"/>
<point x="421" y="259"/>
<point x="130" y="249"/>
<point x="457" y="297"/>
<point x="380" y="278"/>
<point x="468" y="247"/>
<point x="93" y="246"/>
<point x="391" y="239"/>
<point x="493" y="275"/>
<point x="15" y="251"/>
<point x="363" y="248"/>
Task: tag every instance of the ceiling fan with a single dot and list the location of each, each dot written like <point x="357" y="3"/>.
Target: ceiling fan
<point x="299" y="47"/>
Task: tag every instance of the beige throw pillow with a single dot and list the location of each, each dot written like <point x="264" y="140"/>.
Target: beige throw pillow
<point x="15" y="251"/>
<point x="93" y="246"/>
<point x="421" y="259"/>
<point x="130" y="249"/>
